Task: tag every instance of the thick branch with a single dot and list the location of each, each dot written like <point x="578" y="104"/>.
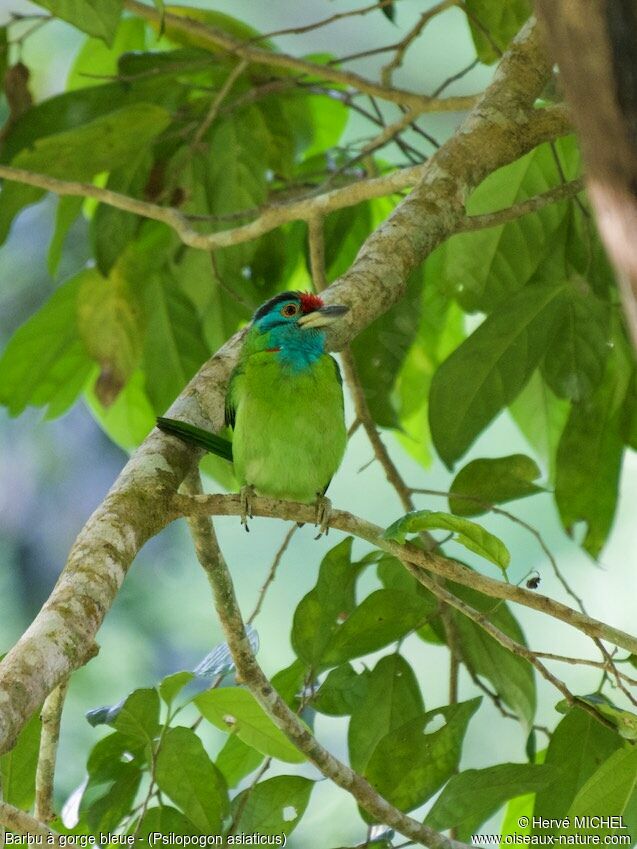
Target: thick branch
<point x="502" y="127"/>
<point x="252" y="676"/>
<point x="415" y="558"/>
<point x="23" y="823"/>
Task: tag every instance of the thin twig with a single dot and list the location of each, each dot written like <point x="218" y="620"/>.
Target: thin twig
<point x="455" y="77"/>
<point x="365" y="417"/>
<point x="322" y="23"/>
<point x="271" y="217"/>
<point x="534" y="204"/>
<point x="403" y="46"/>
<point x="316" y="245"/>
<point x="219" y="40"/>
<point x="511" y="645"/>
<point x="251" y="674"/>
<point x="272" y="573"/>
<point x="230" y="505"/>
<point x="221" y="95"/>
<point x="50" y="736"/>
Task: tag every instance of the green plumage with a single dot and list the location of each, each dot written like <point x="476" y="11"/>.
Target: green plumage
<point x="284" y="402"/>
<point x="289" y="430"/>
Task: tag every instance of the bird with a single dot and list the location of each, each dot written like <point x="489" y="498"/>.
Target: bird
<point x="284" y="403"/>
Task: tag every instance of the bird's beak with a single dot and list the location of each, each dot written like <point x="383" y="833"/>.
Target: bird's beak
<point x="323" y="316"/>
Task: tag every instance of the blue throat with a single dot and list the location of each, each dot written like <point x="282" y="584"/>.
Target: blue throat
<point x="298" y="348"/>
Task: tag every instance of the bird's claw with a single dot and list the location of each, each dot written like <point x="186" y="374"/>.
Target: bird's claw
<point x="323" y="515"/>
<point x="246" y="495"/>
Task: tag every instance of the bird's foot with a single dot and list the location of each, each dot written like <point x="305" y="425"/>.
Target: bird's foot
<point x="323" y="514"/>
<point x="246" y="494"/>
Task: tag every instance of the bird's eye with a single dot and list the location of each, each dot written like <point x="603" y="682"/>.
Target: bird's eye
<point x="289" y="310"/>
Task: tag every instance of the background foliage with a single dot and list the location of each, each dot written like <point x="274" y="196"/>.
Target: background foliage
<point x="523" y="316"/>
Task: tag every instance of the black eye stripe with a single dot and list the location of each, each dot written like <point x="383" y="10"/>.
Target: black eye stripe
<point x="269" y="305"/>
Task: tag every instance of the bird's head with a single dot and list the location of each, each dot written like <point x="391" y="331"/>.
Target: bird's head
<point x="300" y="311"/>
<point x="294" y="323"/>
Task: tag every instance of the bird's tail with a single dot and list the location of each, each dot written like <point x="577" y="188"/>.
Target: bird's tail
<point x="195" y="435"/>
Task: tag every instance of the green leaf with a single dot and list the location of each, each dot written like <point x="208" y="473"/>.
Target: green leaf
<point x="174" y="347"/>
<point x="379" y="351"/>
<point x="95" y="17"/>
<point x="494" y="23"/>
<point x="109" y="324"/>
<point x="380" y="619"/>
<point x="474" y="795"/>
<point x="108" y="754"/>
<point x="469" y="534"/>
<point x="18" y="766"/>
<point x="104" y="143"/>
<point x="185" y="773"/>
<point x="392" y="698"/>
<point x="490" y="368"/>
<point x="345" y="231"/>
<point x="512" y="677"/>
<point x="274" y="806"/>
<point x="289" y="682"/>
<point x="95" y="60"/>
<point x="441" y="331"/>
<point x="342" y="690"/>
<point x="393" y="575"/>
<point x="173" y="684"/>
<point x="409" y="764"/>
<point x="130" y="418"/>
<point x="589" y="458"/>
<point x="485" y="482"/>
<point x="4" y="55"/>
<point x="576" y="763"/>
<point x="541" y="417"/>
<point x="624" y="720"/>
<point x="112" y="229"/>
<point x="45" y="362"/>
<point x="212" y="18"/>
<point x="484" y="268"/>
<point x="68" y="209"/>
<point x="236" y="711"/>
<point x="138" y="718"/>
<point x="319" y="613"/>
<point x="629" y="414"/>
<point x="610" y="789"/>
<point x="164" y="820"/>
<point x="236" y="760"/>
<point x="575" y="360"/>
<point x="106" y="812"/>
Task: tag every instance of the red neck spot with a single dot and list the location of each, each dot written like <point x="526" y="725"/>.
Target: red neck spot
<point x="272" y="350"/>
<point x="310" y="302"/>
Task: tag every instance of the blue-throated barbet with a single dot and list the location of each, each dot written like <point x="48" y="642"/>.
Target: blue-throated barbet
<point x="285" y="405"/>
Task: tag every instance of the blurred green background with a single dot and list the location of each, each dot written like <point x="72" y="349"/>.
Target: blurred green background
<point x="53" y="474"/>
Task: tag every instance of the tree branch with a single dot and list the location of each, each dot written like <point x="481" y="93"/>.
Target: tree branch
<point x="502" y="126"/>
<point x="397" y="60"/>
<point x="252" y="676"/>
<point x="564" y="191"/>
<point x="271" y="217"/>
<point x="415" y="558"/>
<point x="23" y="823"/>
<point x="216" y="39"/>
<point x="45" y="773"/>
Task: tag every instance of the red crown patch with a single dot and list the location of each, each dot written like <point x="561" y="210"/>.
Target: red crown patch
<point x="310" y="302"/>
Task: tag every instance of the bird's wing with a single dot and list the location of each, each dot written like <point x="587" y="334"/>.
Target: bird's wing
<point x="232" y="401"/>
